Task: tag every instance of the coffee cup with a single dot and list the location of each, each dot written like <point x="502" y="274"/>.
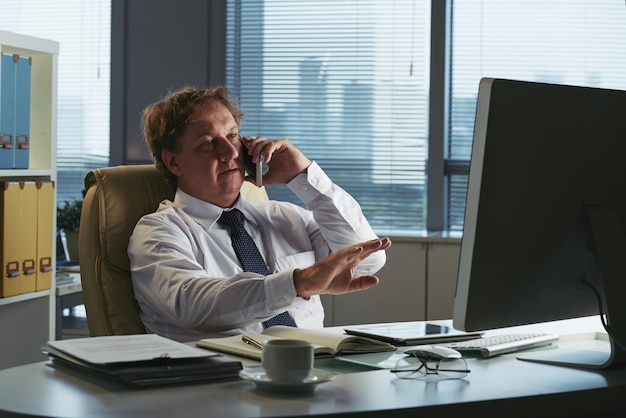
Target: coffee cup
<point x="287" y="360"/>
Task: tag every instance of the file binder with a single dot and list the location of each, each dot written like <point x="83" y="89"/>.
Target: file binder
<point x="140" y="361"/>
<point x="22" y="111"/>
<point x="21" y="239"/>
<point x="45" y="221"/>
<point x="10" y="208"/>
<point x="27" y="239"/>
<point x="15" y="86"/>
<point x="7" y="111"/>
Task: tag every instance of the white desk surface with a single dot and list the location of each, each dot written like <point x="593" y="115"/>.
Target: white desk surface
<point x="500" y="386"/>
<point x="69" y="287"/>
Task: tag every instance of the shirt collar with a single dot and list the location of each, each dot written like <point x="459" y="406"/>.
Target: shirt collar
<point x="207" y="214"/>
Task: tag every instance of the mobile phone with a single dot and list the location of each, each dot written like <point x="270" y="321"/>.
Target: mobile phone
<point x="254" y="170"/>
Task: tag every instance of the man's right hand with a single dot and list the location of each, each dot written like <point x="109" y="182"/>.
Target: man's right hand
<point x="334" y="274"/>
<point x="284" y="160"/>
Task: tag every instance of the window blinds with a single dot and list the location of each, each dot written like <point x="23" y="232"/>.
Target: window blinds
<point x="347" y="82"/>
<point x="83" y="30"/>
<point x="578" y="42"/>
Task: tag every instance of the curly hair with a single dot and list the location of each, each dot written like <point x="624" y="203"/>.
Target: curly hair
<point x="164" y="121"/>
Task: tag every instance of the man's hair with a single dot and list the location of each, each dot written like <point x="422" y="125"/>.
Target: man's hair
<point x="164" y="121"/>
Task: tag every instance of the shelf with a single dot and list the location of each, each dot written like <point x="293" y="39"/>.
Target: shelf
<point x="27" y="319"/>
<point x="12" y="175"/>
<point x="25" y="296"/>
<point x="25" y="44"/>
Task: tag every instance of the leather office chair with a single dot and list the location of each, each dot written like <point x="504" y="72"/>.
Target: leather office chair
<point x="116" y="198"/>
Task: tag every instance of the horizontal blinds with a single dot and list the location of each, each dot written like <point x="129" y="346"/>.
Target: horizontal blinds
<point x="83" y="30"/>
<point x="347" y="82"/>
<point x="565" y="42"/>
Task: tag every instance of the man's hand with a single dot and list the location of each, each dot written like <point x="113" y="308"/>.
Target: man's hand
<point x="284" y="160"/>
<point x="334" y="274"/>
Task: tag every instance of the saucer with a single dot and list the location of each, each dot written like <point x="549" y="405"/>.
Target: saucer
<point x="262" y="382"/>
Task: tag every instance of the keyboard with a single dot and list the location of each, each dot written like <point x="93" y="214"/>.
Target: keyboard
<point x="501" y="344"/>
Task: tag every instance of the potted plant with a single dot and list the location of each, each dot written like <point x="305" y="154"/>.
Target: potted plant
<point x="68" y="219"/>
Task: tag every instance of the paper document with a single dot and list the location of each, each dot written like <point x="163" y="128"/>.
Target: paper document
<point x="126" y="348"/>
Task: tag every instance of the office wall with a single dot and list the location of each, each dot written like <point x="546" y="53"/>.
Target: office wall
<point x="158" y="45"/>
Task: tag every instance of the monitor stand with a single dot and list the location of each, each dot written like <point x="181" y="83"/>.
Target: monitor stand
<point x="609" y="243"/>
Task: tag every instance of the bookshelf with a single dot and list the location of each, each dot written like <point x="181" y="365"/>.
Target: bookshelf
<point x="27" y="320"/>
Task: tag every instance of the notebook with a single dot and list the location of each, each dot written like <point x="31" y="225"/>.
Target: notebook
<point x="411" y="333"/>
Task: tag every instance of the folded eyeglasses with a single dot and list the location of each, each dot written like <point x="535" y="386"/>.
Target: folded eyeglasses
<point x="416" y="365"/>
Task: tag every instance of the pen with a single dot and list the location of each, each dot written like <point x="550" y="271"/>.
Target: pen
<point x="251" y="341"/>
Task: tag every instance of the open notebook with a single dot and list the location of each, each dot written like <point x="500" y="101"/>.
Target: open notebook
<point x="325" y="343"/>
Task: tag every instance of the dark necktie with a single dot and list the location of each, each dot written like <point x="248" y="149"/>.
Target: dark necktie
<point x="250" y="257"/>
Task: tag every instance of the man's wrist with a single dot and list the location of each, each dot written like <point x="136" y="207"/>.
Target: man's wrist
<point x="299" y="284"/>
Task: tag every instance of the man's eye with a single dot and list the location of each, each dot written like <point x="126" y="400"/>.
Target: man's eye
<point x="232" y="137"/>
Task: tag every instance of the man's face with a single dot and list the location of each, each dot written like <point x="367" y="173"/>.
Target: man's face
<point x="209" y="164"/>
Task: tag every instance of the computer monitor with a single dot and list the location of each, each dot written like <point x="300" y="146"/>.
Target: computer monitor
<point x="546" y="212"/>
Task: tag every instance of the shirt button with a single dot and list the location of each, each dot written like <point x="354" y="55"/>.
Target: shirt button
<point x="242" y="315"/>
<point x="283" y="300"/>
<point x="305" y="187"/>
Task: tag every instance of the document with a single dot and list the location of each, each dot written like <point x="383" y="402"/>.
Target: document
<point x="140" y="361"/>
<point x="126" y="348"/>
<point x="325" y="343"/>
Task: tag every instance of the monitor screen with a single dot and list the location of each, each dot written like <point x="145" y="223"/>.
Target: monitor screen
<point x="548" y="168"/>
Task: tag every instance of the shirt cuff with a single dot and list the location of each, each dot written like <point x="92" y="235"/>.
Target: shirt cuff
<point x="280" y="291"/>
<point x="309" y="185"/>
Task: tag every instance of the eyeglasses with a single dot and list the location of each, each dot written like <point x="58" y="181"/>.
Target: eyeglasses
<point x="413" y="367"/>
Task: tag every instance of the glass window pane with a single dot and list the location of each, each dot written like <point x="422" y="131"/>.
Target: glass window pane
<point x="578" y="42"/>
<point x="347" y="82"/>
<point x="83" y="30"/>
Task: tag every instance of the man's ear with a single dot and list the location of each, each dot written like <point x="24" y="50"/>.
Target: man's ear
<point x="170" y="161"/>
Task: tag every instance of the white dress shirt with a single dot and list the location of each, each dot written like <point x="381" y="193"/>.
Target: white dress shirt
<point x="190" y="284"/>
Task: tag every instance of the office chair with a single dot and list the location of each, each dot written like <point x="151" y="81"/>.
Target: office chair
<point x="116" y="198"/>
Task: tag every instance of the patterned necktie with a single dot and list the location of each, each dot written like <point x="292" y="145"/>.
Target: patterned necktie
<point x="250" y="257"/>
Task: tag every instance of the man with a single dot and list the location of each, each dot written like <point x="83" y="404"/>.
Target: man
<point x="189" y="278"/>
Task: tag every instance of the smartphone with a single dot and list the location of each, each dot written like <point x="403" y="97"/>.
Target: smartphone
<point x="254" y="170"/>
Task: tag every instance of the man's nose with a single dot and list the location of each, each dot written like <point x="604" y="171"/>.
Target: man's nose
<point x="228" y="150"/>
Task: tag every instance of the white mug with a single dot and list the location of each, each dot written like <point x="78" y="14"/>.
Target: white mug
<point x="287" y="360"/>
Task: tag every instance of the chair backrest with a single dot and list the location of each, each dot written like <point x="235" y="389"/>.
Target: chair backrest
<point x="116" y="198"/>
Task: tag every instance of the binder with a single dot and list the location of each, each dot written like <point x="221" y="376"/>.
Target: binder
<point x="15" y="86"/>
<point x="27" y="240"/>
<point x="10" y="208"/>
<point x="45" y="221"/>
<point x="22" y="111"/>
<point x="141" y="361"/>
<point x="7" y="111"/>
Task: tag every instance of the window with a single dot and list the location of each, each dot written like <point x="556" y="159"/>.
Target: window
<point x="579" y="42"/>
<point x="347" y="82"/>
<point x="83" y="30"/>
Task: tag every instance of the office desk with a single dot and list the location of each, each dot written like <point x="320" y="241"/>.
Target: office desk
<point x="68" y="295"/>
<point x="502" y="386"/>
